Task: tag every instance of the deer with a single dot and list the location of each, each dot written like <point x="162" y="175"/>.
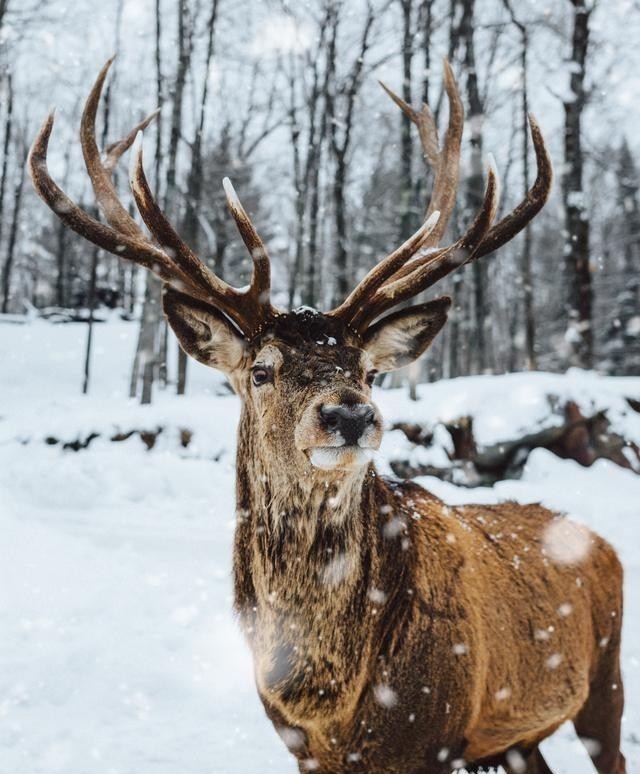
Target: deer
<point x="390" y="632"/>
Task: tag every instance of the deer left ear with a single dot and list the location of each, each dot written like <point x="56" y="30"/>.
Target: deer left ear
<point x="204" y="332"/>
<point x="399" y="339"/>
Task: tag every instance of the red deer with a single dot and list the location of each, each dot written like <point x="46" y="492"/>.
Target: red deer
<point x="390" y="632"/>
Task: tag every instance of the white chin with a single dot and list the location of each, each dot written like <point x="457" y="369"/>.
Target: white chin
<point x="339" y="457"/>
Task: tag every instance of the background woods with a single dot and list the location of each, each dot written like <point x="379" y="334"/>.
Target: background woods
<point x="284" y="98"/>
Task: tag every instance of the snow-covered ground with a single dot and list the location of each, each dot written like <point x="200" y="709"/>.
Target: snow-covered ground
<point x="118" y="648"/>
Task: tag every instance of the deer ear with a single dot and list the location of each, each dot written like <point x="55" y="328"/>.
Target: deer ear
<point x="400" y="338"/>
<point x="203" y="332"/>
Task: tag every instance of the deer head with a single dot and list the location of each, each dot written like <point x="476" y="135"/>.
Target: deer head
<point x="304" y="376"/>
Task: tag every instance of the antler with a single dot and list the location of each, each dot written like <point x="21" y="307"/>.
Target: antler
<point x="444" y="162"/>
<point x="170" y="259"/>
<point x="423" y="266"/>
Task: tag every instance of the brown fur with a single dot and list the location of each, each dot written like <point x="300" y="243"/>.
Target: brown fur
<point x="393" y="633"/>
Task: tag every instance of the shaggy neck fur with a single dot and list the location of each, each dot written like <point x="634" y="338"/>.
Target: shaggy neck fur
<point x="303" y="565"/>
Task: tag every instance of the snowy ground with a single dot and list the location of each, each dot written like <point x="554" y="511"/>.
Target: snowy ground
<point x="118" y="648"/>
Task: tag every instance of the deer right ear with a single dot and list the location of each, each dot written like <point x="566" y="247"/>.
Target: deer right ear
<point x="401" y="337"/>
<point x="203" y="332"/>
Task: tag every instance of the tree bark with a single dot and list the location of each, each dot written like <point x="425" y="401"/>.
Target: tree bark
<point x="579" y="297"/>
<point x="6" y="147"/>
<point x="527" y="278"/>
<point x="407" y="212"/>
<point x="340" y="146"/>
<point x="62" y="240"/>
<point x="13" y="231"/>
<point x="194" y="180"/>
<point x="91" y="304"/>
<point x="475" y="182"/>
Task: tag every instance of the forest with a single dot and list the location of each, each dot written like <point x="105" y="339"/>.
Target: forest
<point x="120" y="645"/>
<point x="284" y="98"/>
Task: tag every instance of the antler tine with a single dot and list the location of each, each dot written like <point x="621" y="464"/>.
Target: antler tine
<point x="107" y="197"/>
<point x="442" y="263"/>
<point x="445" y="162"/>
<point x="163" y="231"/>
<point x="104" y="190"/>
<point x="122" y="244"/>
<point x="260" y="286"/>
<point x="178" y="266"/>
<point x="250" y="308"/>
<point x="448" y="170"/>
<point x="424" y="121"/>
<point x="530" y="206"/>
<point x="116" y="150"/>
<point x="382" y="271"/>
<point x="515" y="221"/>
<point x="196" y="278"/>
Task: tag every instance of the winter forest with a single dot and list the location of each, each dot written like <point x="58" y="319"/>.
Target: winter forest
<point x="119" y="649"/>
<point x="284" y="98"/>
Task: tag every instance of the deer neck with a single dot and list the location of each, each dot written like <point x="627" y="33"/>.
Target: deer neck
<point x="305" y="529"/>
<point x="305" y="560"/>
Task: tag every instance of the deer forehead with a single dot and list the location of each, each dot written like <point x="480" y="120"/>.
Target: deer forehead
<point x="314" y="359"/>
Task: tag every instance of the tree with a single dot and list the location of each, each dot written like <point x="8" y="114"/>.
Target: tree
<point x="579" y="290"/>
<point x="622" y="346"/>
<point x="194" y="180"/>
<point x="340" y="103"/>
<point x="475" y="181"/>
<point x="18" y="190"/>
<point x="527" y="277"/>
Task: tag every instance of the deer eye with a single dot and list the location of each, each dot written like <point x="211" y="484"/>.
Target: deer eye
<point x="371" y="375"/>
<point x="261" y="375"/>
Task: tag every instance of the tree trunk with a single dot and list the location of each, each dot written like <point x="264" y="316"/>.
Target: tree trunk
<point x="475" y="182"/>
<point x="91" y="304"/>
<point x="341" y="126"/>
<point x="6" y="146"/>
<point x="184" y="61"/>
<point x="13" y="232"/>
<point x="407" y="213"/>
<point x="576" y="251"/>
<point x="62" y="234"/>
<point x="299" y="186"/>
<point x="194" y="181"/>
<point x="527" y="278"/>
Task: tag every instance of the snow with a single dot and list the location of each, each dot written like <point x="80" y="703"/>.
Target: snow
<point x="515" y="405"/>
<point x="119" y="648"/>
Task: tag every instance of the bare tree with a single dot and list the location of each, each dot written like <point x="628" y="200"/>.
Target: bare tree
<point x="194" y="179"/>
<point x="475" y="183"/>
<point x="407" y="209"/>
<point x="576" y="250"/>
<point x="145" y="358"/>
<point x="340" y="135"/>
<point x="307" y="154"/>
<point x="5" y="281"/>
<point x="150" y="354"/>
<point x="527" y="278"/>
<point x="7" y="84"/>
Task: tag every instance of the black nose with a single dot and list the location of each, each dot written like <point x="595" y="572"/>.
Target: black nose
<point x="349" y="421"/>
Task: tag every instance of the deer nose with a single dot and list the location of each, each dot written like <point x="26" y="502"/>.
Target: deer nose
<point x="349" y="421"/>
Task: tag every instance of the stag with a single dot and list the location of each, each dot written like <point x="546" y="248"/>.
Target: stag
<point x="389" y="631"/>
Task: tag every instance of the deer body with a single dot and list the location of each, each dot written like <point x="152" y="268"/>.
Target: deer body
<point x="390" y="633"/>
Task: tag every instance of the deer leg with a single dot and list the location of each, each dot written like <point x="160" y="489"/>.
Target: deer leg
<point x="535" y="764"/>
<point x="598" y="722"/>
